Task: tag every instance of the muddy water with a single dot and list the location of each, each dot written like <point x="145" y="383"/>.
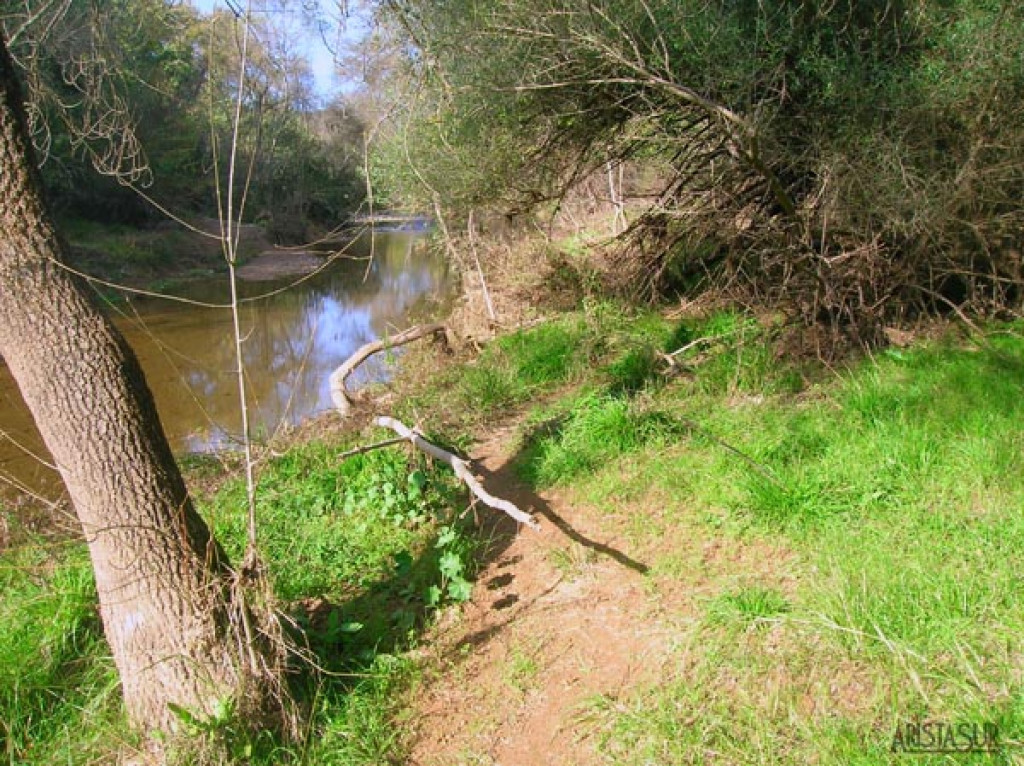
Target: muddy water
<point x="294" y="339"/>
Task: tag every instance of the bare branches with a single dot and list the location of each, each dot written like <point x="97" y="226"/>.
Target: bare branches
<point x="471" y="232"/>
<point x="459" y="466"/>
<point x="362" y="450"/>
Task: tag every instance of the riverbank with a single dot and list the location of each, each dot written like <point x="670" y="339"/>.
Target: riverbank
<point x="149" y="258"/>
<point x="742" y="558"/>
<point x="170" y="254"/>
<point x="297" y="330"/>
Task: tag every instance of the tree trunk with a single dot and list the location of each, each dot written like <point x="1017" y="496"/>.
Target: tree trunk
<point x="163" y="585"/>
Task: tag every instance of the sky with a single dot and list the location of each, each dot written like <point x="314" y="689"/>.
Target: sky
<point x="321" y="60"/>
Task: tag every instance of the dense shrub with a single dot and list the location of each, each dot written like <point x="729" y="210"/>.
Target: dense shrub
<point x="855" y="162"/>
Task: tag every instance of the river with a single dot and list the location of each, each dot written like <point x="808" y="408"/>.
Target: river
<point x="295" y="336"/>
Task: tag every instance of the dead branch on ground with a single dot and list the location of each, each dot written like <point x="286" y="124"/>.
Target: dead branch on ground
<point x="339" y="392"/>
<point x="462" y="471"/>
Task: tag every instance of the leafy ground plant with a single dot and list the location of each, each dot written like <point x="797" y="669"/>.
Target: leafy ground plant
<point x="361" y="551"/>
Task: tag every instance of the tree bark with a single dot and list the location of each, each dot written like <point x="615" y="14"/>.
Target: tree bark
<point x="162" y="583"/>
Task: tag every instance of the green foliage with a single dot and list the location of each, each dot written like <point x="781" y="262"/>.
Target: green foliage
<point x="333" y="529"/>
<point x="514" y="369"/>
<point x="357" y="726"/>
<point x="548" y="354"/>
<point x="748" y="605"/>
<point x="633" y="371"/>
<point x="373" y="542"/>
<point x="880" y="137"/>
<point x="595" y="431"/>
<point x="897" y="497"/>
<point x="598" y="426"/>
<point x="145" y="93"/>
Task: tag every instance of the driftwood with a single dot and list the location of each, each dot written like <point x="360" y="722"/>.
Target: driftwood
<point x="461" y="468"/>
<point x="339" y="392"/>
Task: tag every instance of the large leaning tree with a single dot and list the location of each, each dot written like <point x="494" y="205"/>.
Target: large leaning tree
<point x="172" y="611"/>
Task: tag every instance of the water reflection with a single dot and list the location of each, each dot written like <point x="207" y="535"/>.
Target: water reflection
<point x="293" y="340"/>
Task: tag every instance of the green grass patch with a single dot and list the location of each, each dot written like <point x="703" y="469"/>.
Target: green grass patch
<point x="595" y="431"/>
<point x="361" y="724"/>
<point x="59" y="699"/>
<point x="748" y="605"/>
<point x="518" y="366"/>
<point x="375" y="542"/>
<point x="375" y="535"/>
<point x="360" y="553"/>
<point x="896" y="484"/>
<point x="605" y="346"/>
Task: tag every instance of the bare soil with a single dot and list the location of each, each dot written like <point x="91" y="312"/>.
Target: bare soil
<point x="559" y="621"/>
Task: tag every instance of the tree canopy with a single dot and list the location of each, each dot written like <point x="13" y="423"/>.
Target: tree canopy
<point x="145" y="92"/>
<point x="851" y="161"/>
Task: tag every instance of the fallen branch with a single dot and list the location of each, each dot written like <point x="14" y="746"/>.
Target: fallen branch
<point x="339" y="391"/>
<point x="462" y="471"/>
<point x="671" y="357"/>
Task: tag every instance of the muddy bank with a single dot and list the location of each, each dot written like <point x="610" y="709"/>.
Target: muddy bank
<point x="281" y="264"/>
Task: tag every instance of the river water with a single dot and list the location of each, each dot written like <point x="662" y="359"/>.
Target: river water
<point x="295" y="336"/>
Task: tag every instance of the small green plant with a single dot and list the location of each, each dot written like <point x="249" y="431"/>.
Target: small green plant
<point x="571" y="559"/>
<point x="219" y="736"/>
<point x="454" y="550"/>
<point x="331" y="528"/>
<point x="521" y="668"/>
<point x="748" y="605"/>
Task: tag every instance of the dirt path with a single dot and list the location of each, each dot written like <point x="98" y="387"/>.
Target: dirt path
<point x="558" y="619"/>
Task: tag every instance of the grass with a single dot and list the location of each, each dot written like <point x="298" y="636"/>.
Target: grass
<point x="897" y="484"/>
<point x="521" y="668"/>
<point x="748" y="605"/>
<point x="596" y="430"/>
<point x="868" y="527"/>
<point x="360" y="553"/>
<point x="894" y="485"/>
<point x="59" y="700"/>
<point x="511" y="371"/>
<point x="373" y="543"/>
